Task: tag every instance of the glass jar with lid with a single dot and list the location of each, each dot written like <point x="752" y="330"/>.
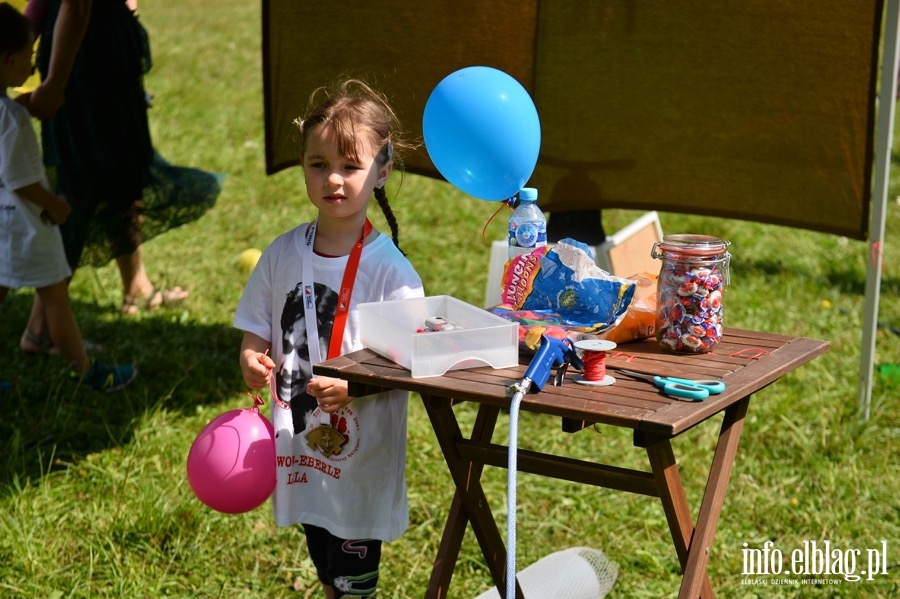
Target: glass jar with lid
<point x="692" y="279"/>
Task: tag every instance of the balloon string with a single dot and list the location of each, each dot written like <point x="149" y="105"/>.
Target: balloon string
<point x="273" y="389"/>
<point x="594" y="365"/>
<point x="496" y="212"/>
<point x="257" y="400"/>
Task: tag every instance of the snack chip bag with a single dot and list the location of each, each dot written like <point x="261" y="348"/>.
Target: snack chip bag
<point x="563" y="287"/>
<point x="640" y="318"/>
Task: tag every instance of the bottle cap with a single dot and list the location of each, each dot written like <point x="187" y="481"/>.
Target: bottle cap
<point x="528" y="194"/>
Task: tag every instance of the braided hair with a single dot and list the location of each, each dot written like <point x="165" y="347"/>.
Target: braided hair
<point x="388" y="212"/>
<point x="352" y="109"/>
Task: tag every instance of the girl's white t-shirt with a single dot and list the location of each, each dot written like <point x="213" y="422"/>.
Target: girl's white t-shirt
<point x="356" y="487"/>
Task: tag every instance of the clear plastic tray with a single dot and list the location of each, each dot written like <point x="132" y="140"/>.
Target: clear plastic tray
<point x="479" y="338"/>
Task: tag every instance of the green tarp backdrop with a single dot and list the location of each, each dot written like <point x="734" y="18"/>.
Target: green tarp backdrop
<point x="754" y="110"/>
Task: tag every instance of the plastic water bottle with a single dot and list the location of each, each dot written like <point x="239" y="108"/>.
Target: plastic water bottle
<point x="527" y="225"/>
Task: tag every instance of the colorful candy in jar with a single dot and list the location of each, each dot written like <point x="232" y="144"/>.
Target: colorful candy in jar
<point x="692" y="278"/>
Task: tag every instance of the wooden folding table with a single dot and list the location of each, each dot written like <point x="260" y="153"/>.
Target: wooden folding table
<point x="746" y="361"/>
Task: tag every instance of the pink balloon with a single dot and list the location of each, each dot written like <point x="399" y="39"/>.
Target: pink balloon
<point x="231" y="465"/>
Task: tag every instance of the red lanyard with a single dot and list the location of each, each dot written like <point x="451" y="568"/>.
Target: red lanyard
<point x="343" y="305"/>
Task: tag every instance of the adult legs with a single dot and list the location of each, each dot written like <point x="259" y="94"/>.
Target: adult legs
<point x="585" y="226"/>
<point x="138" y="289"/>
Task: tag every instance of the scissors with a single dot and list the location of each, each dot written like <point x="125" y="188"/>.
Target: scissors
<point x="689" y="389"/>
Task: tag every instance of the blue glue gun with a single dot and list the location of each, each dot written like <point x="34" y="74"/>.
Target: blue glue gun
<point x="550" y="353"/>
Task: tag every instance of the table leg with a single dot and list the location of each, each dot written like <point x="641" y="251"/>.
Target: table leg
<point x="713" y="498"/>
<point x="692" y="543"/>
<point x="469" y="501"/>
<point x="675" y="504"/>
<point x="448" y="550"/>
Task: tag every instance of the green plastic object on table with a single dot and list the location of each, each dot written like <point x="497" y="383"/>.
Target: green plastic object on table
<point x="678" y="388"/>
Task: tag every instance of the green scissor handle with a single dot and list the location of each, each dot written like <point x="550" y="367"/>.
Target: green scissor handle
<point x="689" y="389"/>
<point x="712" y="385"/>
<point x="679" y="389"/>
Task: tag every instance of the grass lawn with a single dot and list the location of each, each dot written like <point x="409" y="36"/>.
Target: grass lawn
<point x="93" y="496"/>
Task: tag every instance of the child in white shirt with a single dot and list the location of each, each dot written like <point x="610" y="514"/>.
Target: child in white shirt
<point x="341" y="459"/>
<point x="31" y="250"/>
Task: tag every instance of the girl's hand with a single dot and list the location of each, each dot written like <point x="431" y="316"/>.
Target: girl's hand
<point x="330" y="393"/>
<point x="256" y="368"/>
<point x="256" y="365"/>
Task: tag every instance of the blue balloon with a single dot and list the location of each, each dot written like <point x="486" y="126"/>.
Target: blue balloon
<point x="482" y="132"/>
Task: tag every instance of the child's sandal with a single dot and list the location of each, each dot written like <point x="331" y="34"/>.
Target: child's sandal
<point x="34" y="345"/>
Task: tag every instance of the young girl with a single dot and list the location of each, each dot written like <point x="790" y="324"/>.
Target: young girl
<point x="31" y="249"/>
<point x="341" y="459"/>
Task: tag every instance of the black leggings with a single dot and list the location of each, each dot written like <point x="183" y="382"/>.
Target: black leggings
<point x="350" y="566"/>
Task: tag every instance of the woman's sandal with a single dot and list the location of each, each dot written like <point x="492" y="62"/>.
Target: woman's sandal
<point x="157" y="298"/>
<point x="34" y="345"/>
